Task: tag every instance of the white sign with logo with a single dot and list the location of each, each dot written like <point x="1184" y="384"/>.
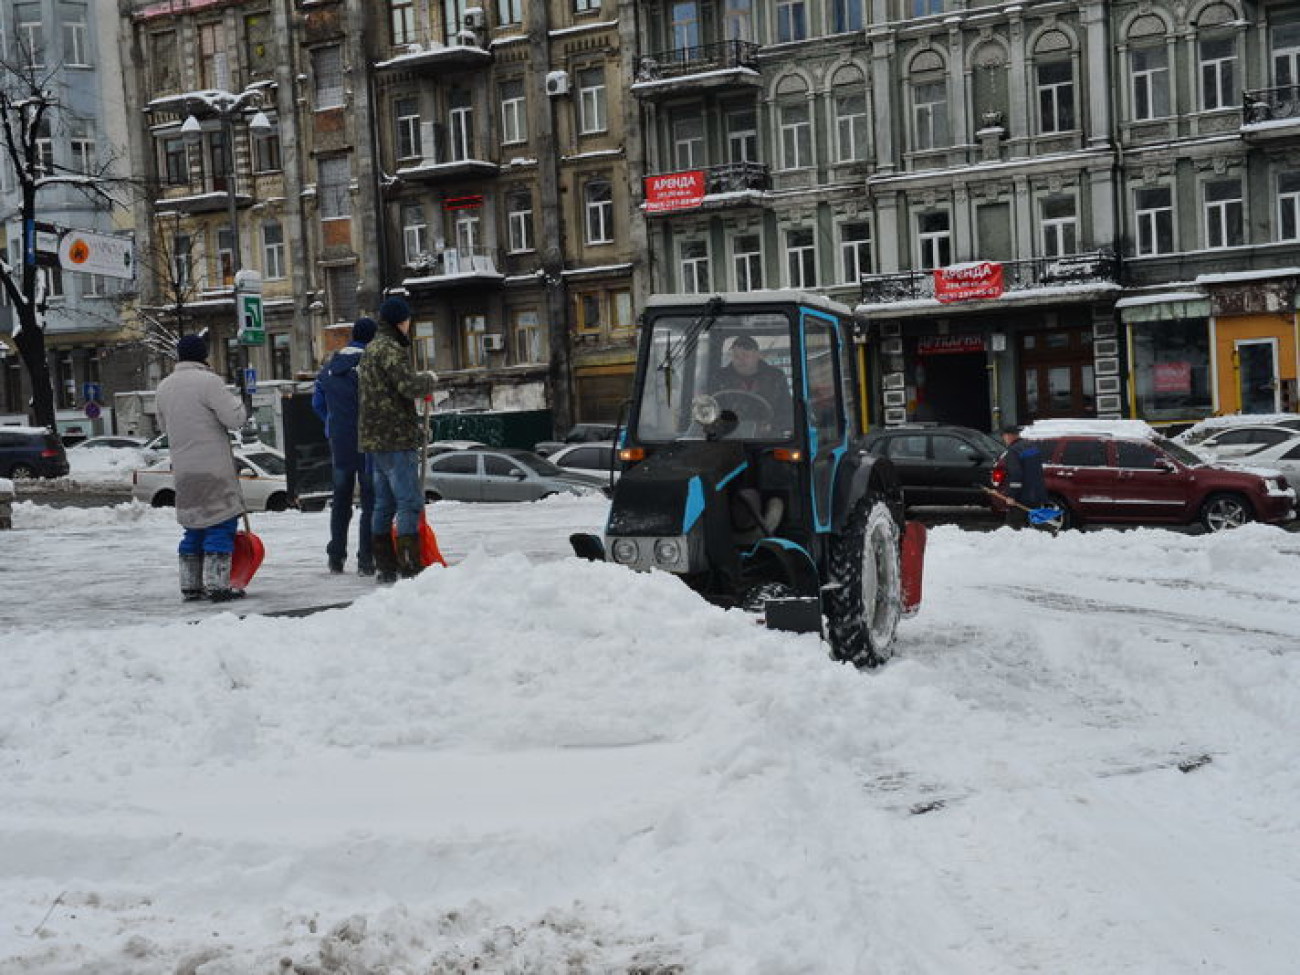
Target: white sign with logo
<point x="92" y="253"/>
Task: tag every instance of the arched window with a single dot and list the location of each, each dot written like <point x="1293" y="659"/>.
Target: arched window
<point x="1148" y="59"/>
<point x="852" y="124"/>
<point x="929" y="95"/>
<point x="1054" y="83"/>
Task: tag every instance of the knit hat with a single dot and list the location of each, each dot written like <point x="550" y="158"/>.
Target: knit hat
<point x="192" y="348"/>
<point x="394" y="311"/>
<point x="364" y="330"/>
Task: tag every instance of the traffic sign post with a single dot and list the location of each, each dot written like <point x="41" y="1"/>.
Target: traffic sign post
<point x="252" y="326"/>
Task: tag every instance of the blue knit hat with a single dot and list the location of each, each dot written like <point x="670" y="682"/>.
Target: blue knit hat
<point x="364" y="330"/>
<point x="192" y="348"/>
<point x="394" y="311"/>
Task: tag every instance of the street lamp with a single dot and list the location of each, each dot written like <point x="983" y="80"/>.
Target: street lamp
<point x="226" y="107"/>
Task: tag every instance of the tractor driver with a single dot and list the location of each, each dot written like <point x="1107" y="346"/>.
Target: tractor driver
<point x="752" y="387"/>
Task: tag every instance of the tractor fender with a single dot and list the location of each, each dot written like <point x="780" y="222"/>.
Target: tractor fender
<point x="868" y="475"/>
<point x="796" y="564"/>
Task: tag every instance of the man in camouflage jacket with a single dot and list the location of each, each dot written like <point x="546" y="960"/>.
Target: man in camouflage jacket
<point x="391" y="432"/>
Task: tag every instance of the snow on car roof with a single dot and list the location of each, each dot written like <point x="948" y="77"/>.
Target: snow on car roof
<point x="1212" y="424"/>
<point x="1087" y="426"/>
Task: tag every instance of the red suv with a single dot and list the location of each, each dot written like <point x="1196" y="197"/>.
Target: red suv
<point x="1152" y="481"/>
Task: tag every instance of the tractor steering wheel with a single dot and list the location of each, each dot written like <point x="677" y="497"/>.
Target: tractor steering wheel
<point x="741" y="396"/>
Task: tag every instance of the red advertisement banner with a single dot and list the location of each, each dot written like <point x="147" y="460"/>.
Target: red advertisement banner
<point x="1173" y="377"/>
<point x="964" y="282"/>
<point x="674" y="191"/>
<point x="949" y="344"/>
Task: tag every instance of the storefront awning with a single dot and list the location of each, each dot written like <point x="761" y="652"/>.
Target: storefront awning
<point x="1163" y="308"/>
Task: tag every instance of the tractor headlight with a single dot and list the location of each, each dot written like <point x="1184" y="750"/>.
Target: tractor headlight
<point x="625" y="550"/>
<point x="668" y="551"/>
<point x="705" y="410"/>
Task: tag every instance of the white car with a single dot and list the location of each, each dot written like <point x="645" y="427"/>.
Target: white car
<point x="588" y="458"/>
<point x="1281" y="455"/>
<point x="1244" y="440"/>
<point x="261" y="478"/>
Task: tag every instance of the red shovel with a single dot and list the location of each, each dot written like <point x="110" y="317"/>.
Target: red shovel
<point x="430" y="554"/>
<point x="248" y="555"/>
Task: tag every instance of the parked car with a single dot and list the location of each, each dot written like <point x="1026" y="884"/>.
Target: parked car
<point x="578" y="433"/>
<point x="442" y="446"/>
<point x="261" y="478"/>
<point x="31" y="452"/>
<point x="238" y="438"/>
<point x="939" y="464"/>
<point x="489" y="474"/>
<point x="1130" y="478"/>
<point x="110" y="443"/>
<point x="1282" y="456"/>
<point x="1232" y="443"/>
<point x="598" y="458"/>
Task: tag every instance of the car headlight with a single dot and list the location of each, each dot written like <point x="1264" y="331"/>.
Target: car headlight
<point x="625" y="550"/>
<point x="668" y="551"/>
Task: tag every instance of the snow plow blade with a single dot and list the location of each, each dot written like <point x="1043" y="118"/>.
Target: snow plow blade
<point x="794" y="614"/>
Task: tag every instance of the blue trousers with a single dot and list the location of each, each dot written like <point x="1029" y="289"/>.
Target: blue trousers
<point x="215" y="538"/>
<point x="345" y="480"/>
<point x="397" y="491"/>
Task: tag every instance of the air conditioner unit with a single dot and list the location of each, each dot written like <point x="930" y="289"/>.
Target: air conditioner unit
<point x="416" y="48"/>
<point x="475" y="19"/>
<point x="557" y="83"/>
<point x="493" y="343"/>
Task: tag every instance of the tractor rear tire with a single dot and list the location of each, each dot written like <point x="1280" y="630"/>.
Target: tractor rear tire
<point x="865" y="601"/>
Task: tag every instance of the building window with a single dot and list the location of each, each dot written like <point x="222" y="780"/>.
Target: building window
<point x="598" y="199"/>
<point x="1060" y="226"/>
<point x="791" y="20"/>
<point x="461" y="123"/>
<point x="930" y="114"/>
<point x="327" y="69"/>
<point x="850" y="125"/>
<point x="266" y="152"/>
<point x="510" y="12"/>
<point x="1286" y="55"/>
<point x="921" y="8"/>
<point x="333" y="176"/>
<point x="694" y="265"/>
<point x="620" y="310"/>
<point x="214" y="67"/>
<point x="589" y="311"/>
<point x="519" y="217"/>
<point x="686" y="27"/>
<point x="688" y="142"/>
<point x="514" y="113"/>
<point x="341" y="289"/>
<point x="528" y="337"/>
<point x="1223" y="223"/>
<point x="796" y="135"/>
<point x="76" y="49"/>
<point x="44" y="149"/>
<point x="473" y="328"/>
<point x="164" y="64"/>
<point x="468" y="236"/>
<point x="415" y="234"/>
<point x="1288" y="206"/>
<point x="29" y="34"/>
<point x="855" y="251"/>
<point x="226" y="256"/>
<point x="1154" y="215"/>
<point x="738" y="20"/>
<point x="401" y="21"/>
<point x="747" y="262"/>
<point x="1150" y="77"/>
<point x="742" y="136"/>
<point x="934" y="239"/>
<point x="1178" y="352"/>
<point x="406" y="128"/>
<point x="591" y="100"/>
<point x="1055" y="97"/>
<point x="1218" y="73"/>
<point x="83" y="154"/>
<point x="259" y="45"/>
<point x="182" y="263"/>
<point x="800" y="258"/>
<point x="272" y="250"/>
<point x="846" y="16"/>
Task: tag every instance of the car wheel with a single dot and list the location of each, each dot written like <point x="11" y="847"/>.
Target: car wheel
<point x="864" y="602"/>
<point x="1068" y="518"/>
<point x="22" y="472"/>
<point x="277" y="502"/>
<point x="1222" y="511"/>
<point x="164" y="499"/>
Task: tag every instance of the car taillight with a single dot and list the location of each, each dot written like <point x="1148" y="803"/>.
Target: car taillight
<point x="998" y="476"/>
<point x="47" y="453"/>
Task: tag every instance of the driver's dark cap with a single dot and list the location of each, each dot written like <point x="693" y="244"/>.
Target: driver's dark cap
<point x="744" y="342"/>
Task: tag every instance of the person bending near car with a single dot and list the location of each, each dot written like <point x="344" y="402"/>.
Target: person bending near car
<point x="196" y="411"/>
<point x="748" y="372"/>
<point x="1025" y="482"/>
<point x="391" y="433"/>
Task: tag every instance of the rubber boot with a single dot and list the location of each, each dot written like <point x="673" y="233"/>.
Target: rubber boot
<point x="410" y="563"/>
<point x="216" y="578"/>
<point x="191" y="577"/>
<point x="385" y="558"/>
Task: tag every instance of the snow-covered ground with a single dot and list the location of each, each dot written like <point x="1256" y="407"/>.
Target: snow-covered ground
<point x="1084" y="759"/>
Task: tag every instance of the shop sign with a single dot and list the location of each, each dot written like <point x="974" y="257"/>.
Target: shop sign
<point x="674" y="191"/>
<point x="949" y="344"/>
<point x="1173" y="377"/>
<point x="964" y="282"/>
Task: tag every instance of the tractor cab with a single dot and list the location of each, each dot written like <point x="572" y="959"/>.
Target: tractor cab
<point x="744" y="472"/>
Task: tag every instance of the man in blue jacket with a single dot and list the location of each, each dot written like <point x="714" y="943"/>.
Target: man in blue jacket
<point x="1025" y="480"/>
<point x="335" y="401"/>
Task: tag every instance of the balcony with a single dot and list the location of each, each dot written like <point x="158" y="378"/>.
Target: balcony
<point x="1041" y="277"/>
<point x="444" y="158"/>
<point x="464" y="53"/>
<point x="1271" y="114"/>
<point x="454" y="268"/>
<point x="724" y="186"/>
<point x="729" y="64"/>
<point x="208" y="195"/>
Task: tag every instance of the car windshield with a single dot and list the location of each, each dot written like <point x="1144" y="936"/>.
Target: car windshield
<point x="539" y="464"/>
<point x="742" y="361"/>
<point x="994" y="446"/>
<point x="270" y="463"/>
<point x="1180" y="453"/>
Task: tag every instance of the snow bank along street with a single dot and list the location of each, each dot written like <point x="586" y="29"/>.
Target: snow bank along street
<point x="1083" y="759"/>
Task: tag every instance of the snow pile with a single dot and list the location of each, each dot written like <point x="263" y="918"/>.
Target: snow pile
<point x="107" y="466"/>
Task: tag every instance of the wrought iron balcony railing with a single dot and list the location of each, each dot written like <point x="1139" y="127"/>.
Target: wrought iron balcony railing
<point x="1269" y="104"/>
<point x="1097" y="267"/>
<point x="737" y="177"/>
<point x="683" y="61"/>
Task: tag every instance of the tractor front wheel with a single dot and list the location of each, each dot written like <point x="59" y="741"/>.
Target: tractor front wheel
<point x="864" y="602"/>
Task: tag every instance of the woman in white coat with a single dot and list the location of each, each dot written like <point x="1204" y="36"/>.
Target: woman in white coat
<point x="196" y="411"/>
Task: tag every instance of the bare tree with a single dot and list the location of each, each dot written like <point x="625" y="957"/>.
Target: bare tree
<point x="29" y="109"/>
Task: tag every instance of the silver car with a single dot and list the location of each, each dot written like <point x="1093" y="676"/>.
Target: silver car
<point x="501" y="474"/>
<point x="261" y="479"/>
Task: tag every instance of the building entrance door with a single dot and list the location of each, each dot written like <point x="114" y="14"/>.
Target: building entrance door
<point x="1257" y="378"/>
<point x="956" y="390"/>
<point x="1056" y="373"/>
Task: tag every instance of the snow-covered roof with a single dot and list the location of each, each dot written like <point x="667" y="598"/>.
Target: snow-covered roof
<point x="1203" y="428"/>
<point x="1133" y="301"/>
<point x="22" y="429"/>
<point x="1088" y="426"/>
<point x="1227" y="277"/>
